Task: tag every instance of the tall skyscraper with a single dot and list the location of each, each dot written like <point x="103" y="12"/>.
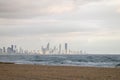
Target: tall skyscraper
<point x="59" y="48"/>
<point x="48" y="46"/>
<point x="1" y="50"/>
<point x="15" y="49"/>
<point x="66" y="48"/>
<point x="12" y="47"/>
<point x="4" y="50"/>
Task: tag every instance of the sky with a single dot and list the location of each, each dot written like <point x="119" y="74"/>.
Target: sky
<point x="91" y="25"/>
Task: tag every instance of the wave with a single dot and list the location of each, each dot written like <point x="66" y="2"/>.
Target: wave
<point x="71" y="60"/>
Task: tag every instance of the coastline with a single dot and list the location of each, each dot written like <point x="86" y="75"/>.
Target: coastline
<point x="6" y="63"/>
<point x="11" y="71"/>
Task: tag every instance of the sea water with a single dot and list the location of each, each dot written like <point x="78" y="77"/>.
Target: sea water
<point x="64" y="60"/>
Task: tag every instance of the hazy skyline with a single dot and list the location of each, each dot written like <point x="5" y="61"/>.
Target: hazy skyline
<point x="91" y="25"/>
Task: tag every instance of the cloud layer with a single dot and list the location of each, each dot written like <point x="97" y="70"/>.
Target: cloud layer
<point x="58" y="16"/>
<point x="88" y="21"/>
<point x="32" y="8"/>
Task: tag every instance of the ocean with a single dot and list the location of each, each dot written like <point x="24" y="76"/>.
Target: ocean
<point x="64" y="60"/>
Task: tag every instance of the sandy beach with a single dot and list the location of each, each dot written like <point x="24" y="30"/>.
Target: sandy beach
<point x="38" y="72"/>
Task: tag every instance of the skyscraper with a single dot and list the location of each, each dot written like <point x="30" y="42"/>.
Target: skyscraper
<point x="12" y="47"/>
<point x="48" y="46"/>
<point x="4" y="50"/>
<point x="1" y="51"/>
<point x="59" y="49"/>
<point x="66" y="48"/>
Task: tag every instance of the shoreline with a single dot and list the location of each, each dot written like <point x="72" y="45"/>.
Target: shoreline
<point x="42" y="72"/>
<point x="75" y="60"/>
<point x="58" y="65"/>
<point x="7" y="63"/>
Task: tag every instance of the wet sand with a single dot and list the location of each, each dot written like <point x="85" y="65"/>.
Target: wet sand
<point x="37" y="72"/>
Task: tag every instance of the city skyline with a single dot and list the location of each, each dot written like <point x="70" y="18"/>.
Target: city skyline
<point x="60" y="49"/>
<point x="91" y="25"/>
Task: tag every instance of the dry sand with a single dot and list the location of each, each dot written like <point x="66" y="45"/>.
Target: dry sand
<point x="37" y="72"/>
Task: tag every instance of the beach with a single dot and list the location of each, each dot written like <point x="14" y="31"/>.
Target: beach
<point x="40" y="72"/>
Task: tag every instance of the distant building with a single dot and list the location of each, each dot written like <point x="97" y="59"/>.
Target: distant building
<point x="59" y="49"/>
<point x="54" y="49"/>
<point x="66" y="48"/>
<point x="81" y="52"/>
<point x="9" y="50"/>
<point x="20" y="50"/>
<point x="25" y="51"/>
<point x="43" y="50"/>
<point x="48" y="46"/>
<point x="15" y="49"/>
<point x="12" y="47"/>
<point x="1" y="50"/>
<point x="4" y="50"/>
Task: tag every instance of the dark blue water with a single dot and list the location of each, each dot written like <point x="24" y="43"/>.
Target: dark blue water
<point x="64" y="60"/>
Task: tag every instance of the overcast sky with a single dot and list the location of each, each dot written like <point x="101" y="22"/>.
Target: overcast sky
<point x="91" y="25"/>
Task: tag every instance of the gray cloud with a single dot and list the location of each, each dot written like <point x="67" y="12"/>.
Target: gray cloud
<point x="33" y="8"/>
<point x="105" y="14"/>
<point x="86" y="24"/>
<point x="49" y="28"/>
<point x="95" y="16"/>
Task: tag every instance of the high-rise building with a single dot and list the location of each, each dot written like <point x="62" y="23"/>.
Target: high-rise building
<point x="4" y="50"/>
<point x="9" y="50"/>
<point x="20" y="50"/>
<point x="12" y="47"/>
<point x="1" y="51"/>
<point x="43" y="50"/>
<point x="66" y="47"/>
<point x="59" y="49"/>
<point x="48" y="46"/>
<point x="15" y="49"/>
